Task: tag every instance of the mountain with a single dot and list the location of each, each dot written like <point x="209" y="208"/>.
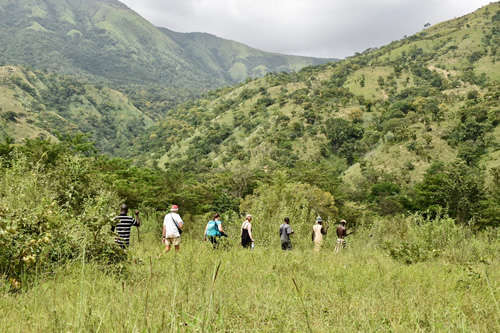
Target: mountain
<point x="104" y="40"/>
<point x="36" y="104"/>
<point x="235" y="60"/>
<point x="387" y="113"/>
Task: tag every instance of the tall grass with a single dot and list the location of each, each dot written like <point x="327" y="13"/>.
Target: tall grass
<point x="232" y="289"/>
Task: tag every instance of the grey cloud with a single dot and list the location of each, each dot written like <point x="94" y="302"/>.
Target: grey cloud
<point x="321" y="28"/>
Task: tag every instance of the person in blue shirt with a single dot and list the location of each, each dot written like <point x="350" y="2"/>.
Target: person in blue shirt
<point x="214" y="230"/>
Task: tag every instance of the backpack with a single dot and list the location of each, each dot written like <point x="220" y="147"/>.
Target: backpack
<point x="212" y="226"/>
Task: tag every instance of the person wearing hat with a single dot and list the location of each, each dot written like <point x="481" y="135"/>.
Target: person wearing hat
<point x="341" y="235"/>
<point x="246" y="232"/>
<point x="318" y="231"/>
<point x="172" y="225"/>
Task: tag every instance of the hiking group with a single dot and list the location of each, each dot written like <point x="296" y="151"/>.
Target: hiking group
<point x="173" y="224"/>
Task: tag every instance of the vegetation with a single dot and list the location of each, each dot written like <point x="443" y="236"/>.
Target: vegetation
<point x="409" y="127"/>
<point x="106" y="42"/>
<point x="37" y="104"/>
<point x="400" y="141"/>
<point x="360" y="289"/>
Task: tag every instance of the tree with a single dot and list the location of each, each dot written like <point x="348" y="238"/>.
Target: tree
<point x="344" y="137"/>
<point x="456" y="187"/>
<point x="302" y="203"/>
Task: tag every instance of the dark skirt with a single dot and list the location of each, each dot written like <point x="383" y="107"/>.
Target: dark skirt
<point x="245" y="239"/>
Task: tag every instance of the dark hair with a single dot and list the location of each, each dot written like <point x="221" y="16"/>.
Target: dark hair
<point x="286" y="219"/>
<point x="216" y="215"/>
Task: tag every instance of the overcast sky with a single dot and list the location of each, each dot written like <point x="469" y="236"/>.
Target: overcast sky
<point x="319" y="28"/>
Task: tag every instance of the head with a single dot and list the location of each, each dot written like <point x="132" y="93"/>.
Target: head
<point x="319" y="220"/>
<point x="174" y="209"/>
<point x="249" y="217"/>
<point x="216" y="216"/>
<point x="343" y="222"/>
<point x="124" y="209"/>
<point x="286" y="220"/>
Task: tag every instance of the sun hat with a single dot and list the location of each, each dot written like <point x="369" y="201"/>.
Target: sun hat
<point x="174" y="208"/>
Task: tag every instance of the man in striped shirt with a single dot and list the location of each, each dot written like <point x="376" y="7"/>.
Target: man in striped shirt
<point x="124" y="226"/>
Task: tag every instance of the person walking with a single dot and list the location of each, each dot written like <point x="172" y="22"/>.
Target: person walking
<point x="214" y="229"/>
<point x="285" y="232"/>
<point x="124" y="225"/>
<point x="246" y="232"/>
<point x="172" y="229"/>
<point x="318" y="230"/>
<point x="341" y="235"/>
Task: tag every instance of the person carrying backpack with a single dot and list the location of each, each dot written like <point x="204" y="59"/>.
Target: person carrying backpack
<point x="214" y="229"/>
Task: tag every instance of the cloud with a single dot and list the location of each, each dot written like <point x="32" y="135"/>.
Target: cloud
<point x="321" y="28"/>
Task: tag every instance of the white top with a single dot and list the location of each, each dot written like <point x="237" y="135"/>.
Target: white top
<point x="170" y="227"/>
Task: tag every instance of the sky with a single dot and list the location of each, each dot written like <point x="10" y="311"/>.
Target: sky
<point x="317" y="28"/>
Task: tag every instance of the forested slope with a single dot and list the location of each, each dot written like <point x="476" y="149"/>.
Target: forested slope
<point x="36" y="104"/>
<point x="383" y="121"/>
<point x="105" y="41"/>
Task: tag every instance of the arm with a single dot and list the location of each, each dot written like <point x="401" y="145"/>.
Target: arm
<point x="324" y="231"/>
<point x="164" y="232"/>
<point x="137" y="219"/>
<point x="312" y="236"/>
<point x="250" y="231"/>
<point x="205" y="233"/>
<point x="220" y="228"/>
<point x="114" y="223"/>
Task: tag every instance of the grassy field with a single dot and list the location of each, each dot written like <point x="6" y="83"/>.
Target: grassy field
<point x="264" y="290"/>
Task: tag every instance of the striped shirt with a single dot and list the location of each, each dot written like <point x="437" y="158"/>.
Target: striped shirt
<point x="123" y="229"/>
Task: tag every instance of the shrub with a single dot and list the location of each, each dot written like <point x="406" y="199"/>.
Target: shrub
<point x="41" y="224"/>
<point x="416" y="238"/>
<point x="302" y="203"/>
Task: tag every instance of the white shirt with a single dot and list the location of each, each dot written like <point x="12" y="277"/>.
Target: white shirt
<point x="170" y="227"/>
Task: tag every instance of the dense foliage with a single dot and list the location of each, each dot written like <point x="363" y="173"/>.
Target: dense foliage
<point x="106" y="42"/>
<point x="42" y="105"/>
<point x="405" y="133"/>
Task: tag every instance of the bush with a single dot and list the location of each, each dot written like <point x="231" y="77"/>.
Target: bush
<point x="416" y="238"/>
<point x="41" y="224"/>
<point x="302" y="203"/>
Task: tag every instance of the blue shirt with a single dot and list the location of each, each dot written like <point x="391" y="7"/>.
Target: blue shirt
<point x="213" y="228"/>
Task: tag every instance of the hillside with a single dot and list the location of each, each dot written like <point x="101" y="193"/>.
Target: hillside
<point x="104" y="40"/>
<point x="384" y="116"/>
<point x="35" y="104"/>
<point x="235" y="60"/>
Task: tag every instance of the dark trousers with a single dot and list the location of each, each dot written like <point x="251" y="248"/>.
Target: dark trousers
<point x="286" y="245"/>
<point x="213" y="240"/>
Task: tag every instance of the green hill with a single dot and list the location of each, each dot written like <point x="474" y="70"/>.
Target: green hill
<point x="104" y="40"/>
<point x="383" y="116"/>
<point x="35" y="104"/>
<point x="234" y="60"/>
